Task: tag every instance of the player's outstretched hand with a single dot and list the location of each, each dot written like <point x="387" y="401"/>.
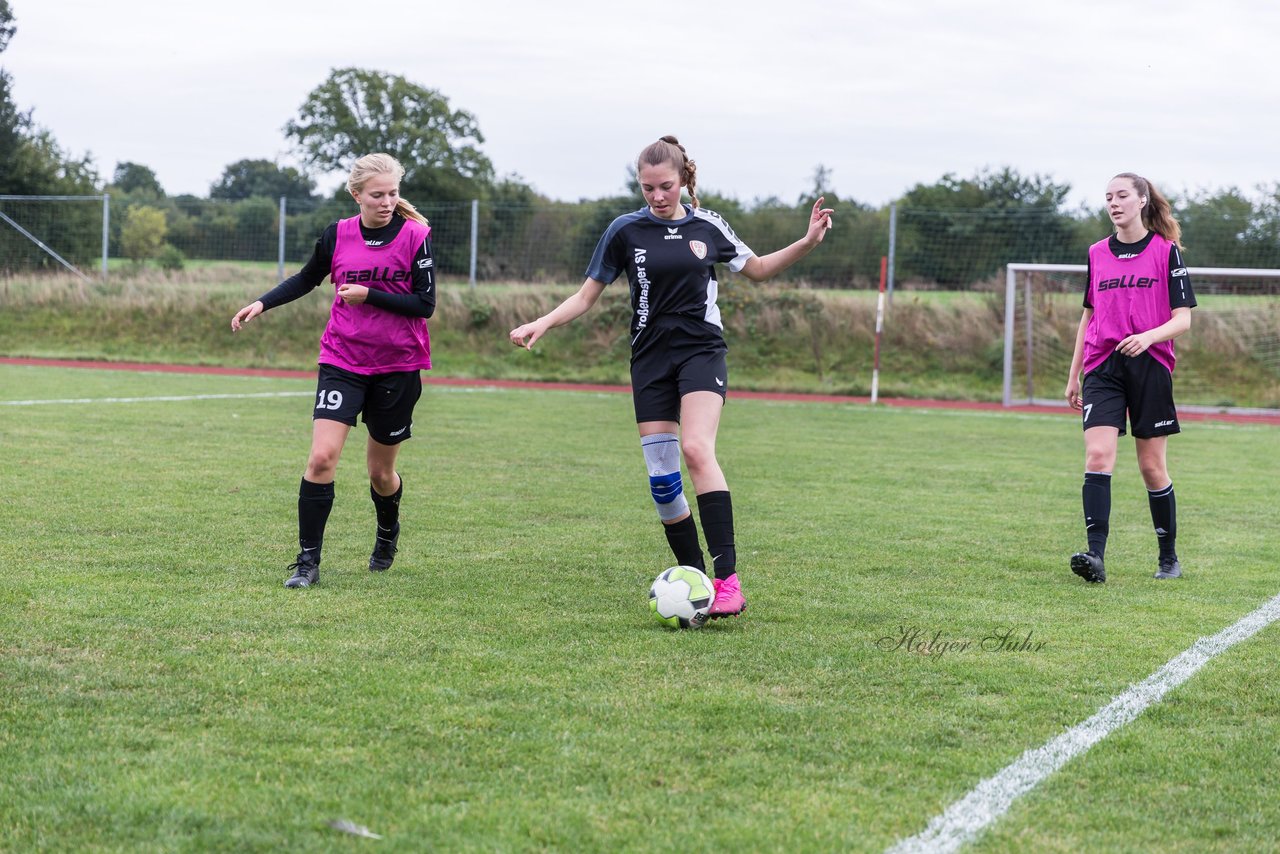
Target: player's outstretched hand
<point x="819" y="221"/>
<point x="244" y="315"/>
<point x="526" y="334"/>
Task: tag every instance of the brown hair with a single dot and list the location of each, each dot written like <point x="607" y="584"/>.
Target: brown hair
<point x="669" y="150"/>
<point x="381" y="164"/>
<point x="1157" y="214"/>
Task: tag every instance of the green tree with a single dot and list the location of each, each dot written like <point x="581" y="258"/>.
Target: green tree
<point x="357" y="112"/>
<point x="958" y="232"/>
<point x="246" y="179"/>
<point x="7" y="28"/>
<point x="1226" y="229"/>
<point x="143" y="233"/>
<point x="136" y="180"/>
<point x="41" y="166"/>
<point x="31" y="162"/>
<point x="1265" y="231"/>
<point x="13" y="122"/>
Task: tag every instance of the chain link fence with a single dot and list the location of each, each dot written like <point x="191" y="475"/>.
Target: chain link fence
<point x="553" y="241"/>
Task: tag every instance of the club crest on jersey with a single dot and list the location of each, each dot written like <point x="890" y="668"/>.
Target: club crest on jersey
<point x="698" y="248"/>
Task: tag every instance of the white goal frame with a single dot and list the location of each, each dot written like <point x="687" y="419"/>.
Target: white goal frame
<point x="1010" y="303"/>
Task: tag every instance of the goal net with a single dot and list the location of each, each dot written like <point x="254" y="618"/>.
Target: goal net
<point x="1230" y="359"/>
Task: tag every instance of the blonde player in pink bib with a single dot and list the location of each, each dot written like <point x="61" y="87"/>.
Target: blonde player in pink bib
<point x="372" y="350"/>
<point x="1138" y="300"/>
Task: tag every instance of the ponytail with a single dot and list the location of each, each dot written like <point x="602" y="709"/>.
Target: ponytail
<point x="669" y="150"/>
<point x="1157" y="213"/>
<point x="408" y="211"/>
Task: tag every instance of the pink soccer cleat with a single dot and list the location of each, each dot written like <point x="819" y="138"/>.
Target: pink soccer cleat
<point x="729" y="600"/>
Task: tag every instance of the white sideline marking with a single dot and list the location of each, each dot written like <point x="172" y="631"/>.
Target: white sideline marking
<point x="965" y="819"/>
<point x="163" y="398"/>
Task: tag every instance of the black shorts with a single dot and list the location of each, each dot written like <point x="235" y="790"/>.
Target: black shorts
<point x="672" y="363"/>
<point x="1138" y="384"/>
<point x="385" y="400"/>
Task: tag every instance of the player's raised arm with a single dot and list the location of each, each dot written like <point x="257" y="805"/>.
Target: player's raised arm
<point x="760" y="269"/>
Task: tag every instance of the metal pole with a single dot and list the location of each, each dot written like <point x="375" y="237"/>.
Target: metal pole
<point x="106" y="231"/>
<point x="875" y="370"/>
<point x="280" y="264"/>
<point x="475" y="238"/>
<point x="893" y="243"/>
<point x="1030" y="324"/>
<point x="1010" y="293"/>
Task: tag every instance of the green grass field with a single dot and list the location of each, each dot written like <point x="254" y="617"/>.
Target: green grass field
<point x="503" y="687"/>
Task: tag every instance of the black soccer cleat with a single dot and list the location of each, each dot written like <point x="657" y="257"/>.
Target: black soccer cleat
<point x="384" y="550"/>
<point x="306" y="571"/>
<point x="1169" y="568"/>
<point x="1088" y="566"/>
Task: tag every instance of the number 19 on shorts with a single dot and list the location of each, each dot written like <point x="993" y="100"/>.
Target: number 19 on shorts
<point x="328" y="399"/>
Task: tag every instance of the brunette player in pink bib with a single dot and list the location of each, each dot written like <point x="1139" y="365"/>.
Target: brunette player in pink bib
<point x="668" y="252"/>
<point x="371" y="352"/>
<point x="1138" y="300"/>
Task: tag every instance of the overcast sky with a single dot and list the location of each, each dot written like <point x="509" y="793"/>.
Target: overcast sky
<point x="885" y="93"/>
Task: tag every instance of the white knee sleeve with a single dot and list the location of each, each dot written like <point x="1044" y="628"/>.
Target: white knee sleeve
<point x="662" y="458"/>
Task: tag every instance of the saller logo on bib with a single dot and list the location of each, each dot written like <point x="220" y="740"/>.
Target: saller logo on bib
<point x="699" y="248"/>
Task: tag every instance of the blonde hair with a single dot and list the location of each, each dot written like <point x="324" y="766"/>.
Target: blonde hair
<point x="669" y="150"/>
<point x="381" y="164"/>
<point x="1157" y="213"/>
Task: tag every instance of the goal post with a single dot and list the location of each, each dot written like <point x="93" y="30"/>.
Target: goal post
<point x="1236" y="327"/>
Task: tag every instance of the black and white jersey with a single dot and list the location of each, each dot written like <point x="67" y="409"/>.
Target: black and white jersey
<point x="670" y="265"/>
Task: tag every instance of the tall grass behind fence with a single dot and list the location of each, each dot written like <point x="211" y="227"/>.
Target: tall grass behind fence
<point x="781" y="338"/>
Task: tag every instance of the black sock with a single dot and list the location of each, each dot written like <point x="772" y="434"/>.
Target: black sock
<point x="315" y="500"/>
<point x="388" y="509"/>
<point x="716" y="511"/>
<point x="1164" y="515"/>
<point x="1096" y="495"/>
<point x="682" y="536"/>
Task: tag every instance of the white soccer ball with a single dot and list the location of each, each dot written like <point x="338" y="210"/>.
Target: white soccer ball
<point x="681" y="597"/>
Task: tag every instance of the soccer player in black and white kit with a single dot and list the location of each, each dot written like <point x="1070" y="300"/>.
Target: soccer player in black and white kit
<point x="679" y="380"/>
<point x="1138" y="299"/>
<point x="371" y="353"/>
